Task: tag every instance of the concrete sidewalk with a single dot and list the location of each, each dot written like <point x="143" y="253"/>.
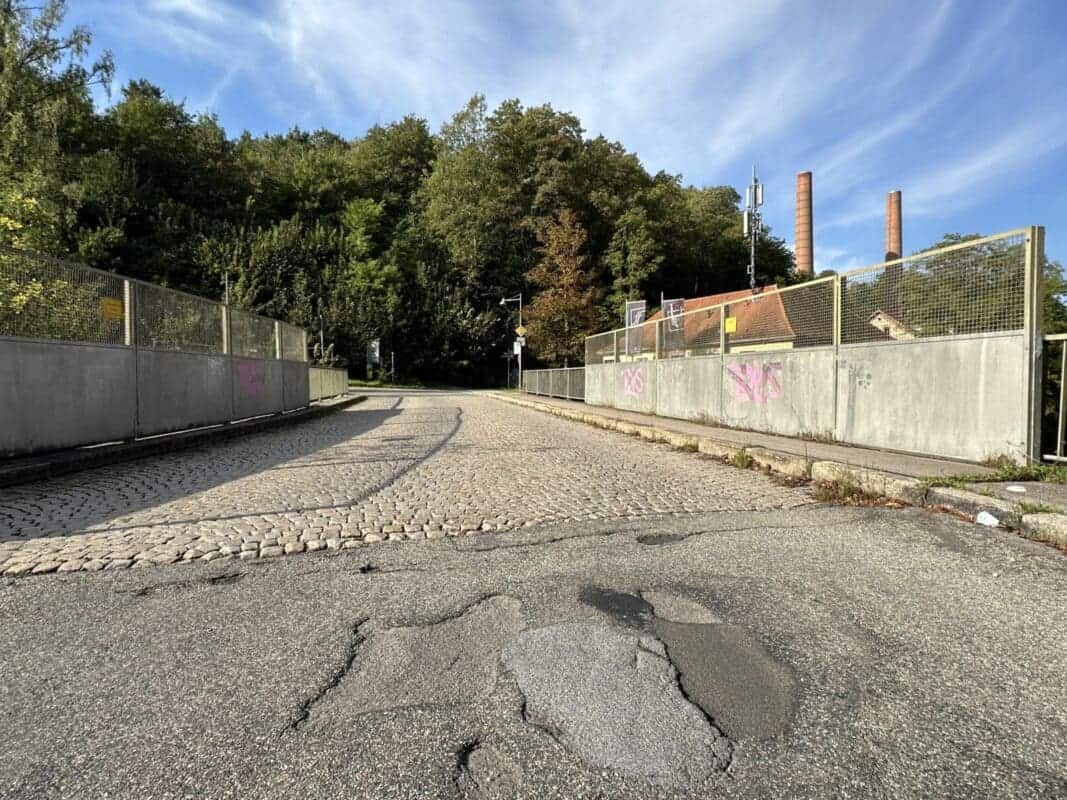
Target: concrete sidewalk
<point x="897" y="476"/>
<point x="896" y="463"/>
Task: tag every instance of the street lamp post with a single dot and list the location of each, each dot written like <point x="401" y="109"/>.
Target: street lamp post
<point x="516" y="299"/>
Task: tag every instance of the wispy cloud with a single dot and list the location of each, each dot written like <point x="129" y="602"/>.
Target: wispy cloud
<point x="948" y="101"/>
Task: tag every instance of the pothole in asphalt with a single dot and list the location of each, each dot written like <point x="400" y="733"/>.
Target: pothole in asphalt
<point x="723" y="668"/>
<point x="484" y="773"/>
<point x="629" y="609"/>
<point x="442" y="662"/>
<point x="725" y="671"/>
<point x="612" y="696"/>
<point x="661" y="538"/>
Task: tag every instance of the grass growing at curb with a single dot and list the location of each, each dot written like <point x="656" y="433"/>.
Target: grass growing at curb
<point x="741" y="459"/>
<point x="1038" y="508"/>
<point x="843" y="492"/>
<point x="1041" y="473"/>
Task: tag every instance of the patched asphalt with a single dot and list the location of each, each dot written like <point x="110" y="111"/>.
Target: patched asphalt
<point x="841" y="652"/>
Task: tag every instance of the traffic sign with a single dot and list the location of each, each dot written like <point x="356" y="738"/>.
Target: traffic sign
<point x="521" y="331"/>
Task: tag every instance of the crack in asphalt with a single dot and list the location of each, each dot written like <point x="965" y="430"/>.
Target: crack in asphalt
<point x="674" y="538"/>
<point x="707" y="717"/>
<point x="451" y="615"/>
<point x="214" y="580"/>
<point x="333" y="680"/>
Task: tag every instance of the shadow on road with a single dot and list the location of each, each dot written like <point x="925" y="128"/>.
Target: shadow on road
<point x="70" y="504"/>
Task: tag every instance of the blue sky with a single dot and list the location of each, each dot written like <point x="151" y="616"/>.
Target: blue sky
<point x="961" y="105"/>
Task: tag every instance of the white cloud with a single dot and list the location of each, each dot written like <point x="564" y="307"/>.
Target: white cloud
<point x="870" y="97"/>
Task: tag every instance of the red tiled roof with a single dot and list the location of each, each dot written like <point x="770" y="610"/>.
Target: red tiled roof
<point x="760" y="317"/>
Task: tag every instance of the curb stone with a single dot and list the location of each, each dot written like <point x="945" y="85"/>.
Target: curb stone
<point x="973" y="504"/>
<point x="902" y="488"/>
<point x="1046" y="527"/>
<point x="872" y="481"/>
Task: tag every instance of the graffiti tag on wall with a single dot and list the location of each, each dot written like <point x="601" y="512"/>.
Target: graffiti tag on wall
<point x="756" y="382"/>
<point x="251" y="377"/>
<point x="633" y="381"/>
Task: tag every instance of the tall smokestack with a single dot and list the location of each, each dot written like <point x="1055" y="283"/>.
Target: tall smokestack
<point x="803" y="245"/>
<point x="894" y="239"/>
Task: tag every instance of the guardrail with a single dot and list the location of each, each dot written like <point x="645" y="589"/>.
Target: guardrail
<point x="566" y="382"/>
<point x="326" y="382"/>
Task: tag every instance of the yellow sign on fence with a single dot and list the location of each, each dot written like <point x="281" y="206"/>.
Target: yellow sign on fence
<point x="112" y="309"/>
<point x="731" y="324"/>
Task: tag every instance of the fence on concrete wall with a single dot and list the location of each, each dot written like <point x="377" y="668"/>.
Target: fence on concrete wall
<point x="566" y="382"/>
<point x="326" y="382"/>
<point x="937" y="354"/>
<point x="88" y="356"/>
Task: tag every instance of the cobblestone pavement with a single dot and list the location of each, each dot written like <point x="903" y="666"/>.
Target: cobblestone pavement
<point x="403" y="465"/>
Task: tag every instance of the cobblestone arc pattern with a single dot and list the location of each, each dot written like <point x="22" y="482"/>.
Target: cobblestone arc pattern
<point x="407" y="466"/>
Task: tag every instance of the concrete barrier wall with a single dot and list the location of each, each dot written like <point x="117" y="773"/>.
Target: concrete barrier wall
<point x="600" y="384"/>
<point x="635" y="386"/>
<point x="257" y="387"/>
<point x="58" y="395"/>
<point x="55" y="395"/>
<point x="295" y="390"/>
<point x="690" y="388"/>
<point x="326" y="382"/>
<point x="960" y="398"/>
<point x="176" y="391"/>
<point x="788" y="392"/>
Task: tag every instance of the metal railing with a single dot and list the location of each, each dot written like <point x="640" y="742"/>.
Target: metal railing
<point x="565" y="382"/>
<point x="971" y="288"/>
<point x="48" y="298"/>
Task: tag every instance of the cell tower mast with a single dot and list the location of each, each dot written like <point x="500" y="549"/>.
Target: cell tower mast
<point x="753" y="223"/>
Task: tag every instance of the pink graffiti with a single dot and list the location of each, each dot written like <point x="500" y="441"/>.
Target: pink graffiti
<point x="757" y="382"/>
<point x="633" y="381"/>
<point x="251" y="377"/>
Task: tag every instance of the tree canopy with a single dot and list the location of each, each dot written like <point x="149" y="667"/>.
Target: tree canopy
<point x="403" y="234"/>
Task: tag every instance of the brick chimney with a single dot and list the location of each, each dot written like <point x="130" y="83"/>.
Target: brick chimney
<point x="894" y="240"/>
<point x="803" y="245"/>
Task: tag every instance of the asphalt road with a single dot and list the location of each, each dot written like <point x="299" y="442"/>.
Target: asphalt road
<point x="798" y="650"/>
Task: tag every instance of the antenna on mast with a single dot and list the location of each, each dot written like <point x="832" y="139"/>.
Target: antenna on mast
<point x="753" y="223"/>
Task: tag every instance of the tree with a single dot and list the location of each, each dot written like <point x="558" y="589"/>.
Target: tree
<point x="563" y="312"/>
<point x="44" y="83"/>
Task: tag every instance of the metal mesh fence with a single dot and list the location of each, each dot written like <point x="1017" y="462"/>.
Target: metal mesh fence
<point x="796" y="317"/>
<point x="973" y="288"/>
<point x="565" y="382"/>
<point x="251" y="336"/>
<point x="169" y="320"/>
<point x="600" y="348"/>
<point x="970" y="289"/>
<point x="46" y="298"/>
<point x="700" y="331"/>
<point x="294" y="343"/>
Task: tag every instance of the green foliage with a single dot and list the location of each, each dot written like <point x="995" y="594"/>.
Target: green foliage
<point x="563" y="312"/>
<point x="400" y="235"/>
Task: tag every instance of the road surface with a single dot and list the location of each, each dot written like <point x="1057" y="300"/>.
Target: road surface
<point x="506" y="604"/>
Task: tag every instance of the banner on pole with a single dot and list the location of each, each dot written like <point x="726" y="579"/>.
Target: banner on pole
<point x="674" y="332"/>
<point x="635" y="316"/>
